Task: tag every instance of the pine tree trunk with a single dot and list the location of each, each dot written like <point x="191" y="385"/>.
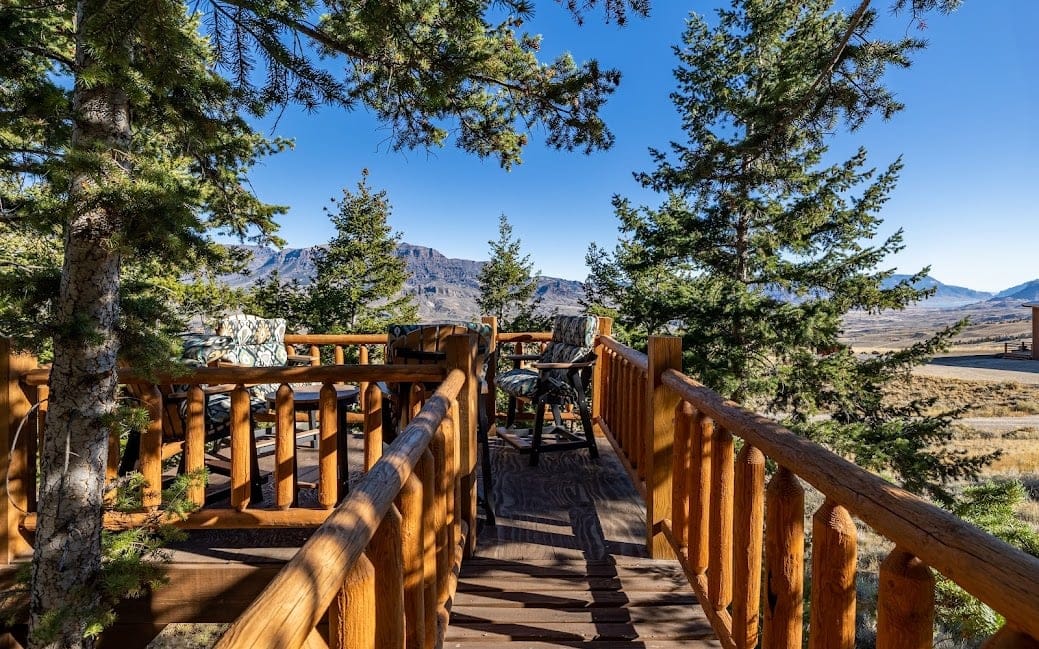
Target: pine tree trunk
<point x="67" y="559"/>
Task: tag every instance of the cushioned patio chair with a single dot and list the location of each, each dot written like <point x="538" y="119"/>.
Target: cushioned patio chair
<point x="558" y="377"/>
<point x="424" y="343"/>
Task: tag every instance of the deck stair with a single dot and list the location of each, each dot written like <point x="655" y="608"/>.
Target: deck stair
<point x="607" y="603"/>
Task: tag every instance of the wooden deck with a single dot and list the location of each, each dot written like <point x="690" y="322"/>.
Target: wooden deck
<point x="566" y="564"/>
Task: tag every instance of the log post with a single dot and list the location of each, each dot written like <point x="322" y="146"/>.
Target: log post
<point x="362" y="395"/>
<point x="151" y="448"/>
<point x="750" y="518"/>
<point x="681" y="472"/>
<point x="461" y="354"/>
<point x="784" y="562"/>
<point x="599" y="373"/>
<point x="329" y="480"/>
<point x="285" y="448"/>
<point x="699" y="540"/>
<point x="351" y="617"/>
<point x="195" y="443"/>
<point x="16" y="461"/>
<point x="905" y="603"/>
<point x="373" y="435"/>
<point x="413" y="554"/>
<point x="384" y="551"/>
<point x="665" y="353"/>
<point x="719" y="571"/>
<point x="241" y="440"/>
<point x="832" y="623"/>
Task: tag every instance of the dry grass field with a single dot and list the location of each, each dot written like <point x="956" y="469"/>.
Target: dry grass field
<point x="979" y="398"/>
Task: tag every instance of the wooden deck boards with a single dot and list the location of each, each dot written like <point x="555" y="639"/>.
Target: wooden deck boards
<point x="566" y="565"/>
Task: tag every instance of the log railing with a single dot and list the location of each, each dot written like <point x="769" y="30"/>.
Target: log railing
<point x="384" y="564"/>
<point x="741" y="542"/>
<point x="26" y="387"/>
<point x="365" y="344"/>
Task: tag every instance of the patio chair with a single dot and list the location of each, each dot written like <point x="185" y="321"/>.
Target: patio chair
<point x="558" y="377"/>
<point x="424" y="344"/>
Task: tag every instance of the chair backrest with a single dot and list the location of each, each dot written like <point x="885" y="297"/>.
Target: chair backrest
<point x="424" y="343"/>
<point x="573" y="338"/>
<point x="256" y="341"/>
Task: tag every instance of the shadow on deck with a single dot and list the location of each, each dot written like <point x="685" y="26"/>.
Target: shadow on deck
<point x="566" y="565"/>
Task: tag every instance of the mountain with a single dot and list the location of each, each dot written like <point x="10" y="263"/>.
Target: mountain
<point x="945" y="295"/>
<point x="444" y="288"/>
<point x="1029" y="292"/>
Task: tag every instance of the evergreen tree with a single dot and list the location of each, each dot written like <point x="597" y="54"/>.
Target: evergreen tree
<point x="508" y="283"/>
<point x="762" y="245"/>
<point x="121" y="134"/>
<point x="359" y="281"/>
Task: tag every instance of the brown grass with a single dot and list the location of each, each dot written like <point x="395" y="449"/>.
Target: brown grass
<point x="980" y="398"/>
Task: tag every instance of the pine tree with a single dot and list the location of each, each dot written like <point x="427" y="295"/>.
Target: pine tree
<point x="359" y="281"/>
<point x="122" y="135"/>
<point x="508" y="283"/>
<point x="762" y="244"/>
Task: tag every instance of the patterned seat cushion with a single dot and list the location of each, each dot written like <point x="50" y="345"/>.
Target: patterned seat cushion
<point x="519" y="382"/>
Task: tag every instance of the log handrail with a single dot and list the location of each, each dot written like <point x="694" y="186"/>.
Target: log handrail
<point x="634" y="357"/>
<point x="259" y="375"/>
<point x="286" y="612"/>
<point x="938" y="538"/>
<point x="335" y="339"/>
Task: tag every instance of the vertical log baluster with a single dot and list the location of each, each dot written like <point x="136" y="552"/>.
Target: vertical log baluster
<point x="151" y="448"/>
<point x="33" y="446"/>
<point x="719" y="571"/>
<point x="351" y="617"/>
<point x="438" y="449"/>
<point x="681" y="474"/>
<point x="241" y="441"/>
<point x="784" y="562"/>
<point x="340" y="357"/>
<point x="426" y="471"/>
<point x="749" y="510"/>
<point x="372" y="425"/>
<point x="330" y="479"/>
<point x="454" y="486"/>
<point x="905" y="603"/>
<point x="699" y="542"/>
<point x="315" y="355"/>
<point x="832" y="623"/>
<point x="195" y="443"/>
<point x="284" y="448"/>
<point x="384" y="551"/>
<point x="413" y="554"/>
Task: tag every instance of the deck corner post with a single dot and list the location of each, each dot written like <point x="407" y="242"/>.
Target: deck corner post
<point x="598" y="380"/>
<point x="461" y="354"/>
<point x="491" y="375"/>
<point x="15" y="462"/>
<point x="665" y="353"/>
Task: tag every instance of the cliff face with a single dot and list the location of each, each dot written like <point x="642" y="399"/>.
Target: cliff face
<point x="444" y="288"/>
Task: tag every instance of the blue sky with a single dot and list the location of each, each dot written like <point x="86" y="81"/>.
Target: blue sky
<point x="969" y="137"/>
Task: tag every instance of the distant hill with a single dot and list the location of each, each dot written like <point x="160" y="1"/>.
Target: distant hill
<point x="1028" y="292"/>
<point x="444" y="287"/>
<point x="945" y="295"/>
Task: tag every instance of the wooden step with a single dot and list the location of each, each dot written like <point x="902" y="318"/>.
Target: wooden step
<point x="604" y="604"/>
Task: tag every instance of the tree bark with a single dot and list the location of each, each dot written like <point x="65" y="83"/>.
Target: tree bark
<point x="67" y="557"/>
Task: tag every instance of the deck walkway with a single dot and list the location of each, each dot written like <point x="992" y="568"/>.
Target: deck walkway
<point x="566" y="564"/>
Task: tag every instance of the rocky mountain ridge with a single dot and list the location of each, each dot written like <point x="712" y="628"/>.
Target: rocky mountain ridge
<point x="444" y="287"/>
<point x="447" y="288"/>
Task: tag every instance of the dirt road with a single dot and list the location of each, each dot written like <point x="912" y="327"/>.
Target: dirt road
<point x="982" y="368"/>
